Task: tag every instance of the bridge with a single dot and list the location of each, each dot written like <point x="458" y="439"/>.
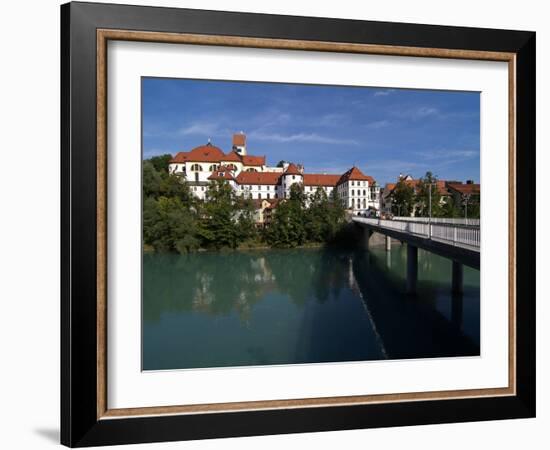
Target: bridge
<point x="459" y="242"/>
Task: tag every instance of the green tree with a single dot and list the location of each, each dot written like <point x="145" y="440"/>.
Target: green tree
<point x="471" y="206"/>
<point x="152" y="180"/>
<point x="450" y="208"/>
<point x="427" y="190"/>
<point x="161" y="163"/>
<point x="176" y="186"/>
<point x="169" y="225"/>
<point x="246" y="223"/>
<point x="288" y="227"/>
<point x="219" y="224"/>
<point x="402" y="199"/>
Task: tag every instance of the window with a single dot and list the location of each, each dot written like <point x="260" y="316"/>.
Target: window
<point x="268" y="195"/>
<point x="353" y="183"/>
<point x="293" y="177"/>
<point x="212" y="168"/>
<point x="232" y="167"/>
<point x="352" y="192"/>
<point x="196" y="168"/>
<point x="276" y="196"/>
<point x="251" y="169"/>
<point x="259" y="195"/>
<point x="364" y="192"/>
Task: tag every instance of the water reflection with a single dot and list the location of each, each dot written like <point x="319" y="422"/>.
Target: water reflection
<point x="301" y="306"/>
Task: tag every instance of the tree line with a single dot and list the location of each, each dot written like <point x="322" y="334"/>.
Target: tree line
<point x="408" y="200"/>
<point x="175" y="220"/>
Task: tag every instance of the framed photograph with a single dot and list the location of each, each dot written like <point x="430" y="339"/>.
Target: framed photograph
<point x="276" y="224"/>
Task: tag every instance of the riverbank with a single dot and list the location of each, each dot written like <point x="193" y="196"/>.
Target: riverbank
<point x="244" y="247"/>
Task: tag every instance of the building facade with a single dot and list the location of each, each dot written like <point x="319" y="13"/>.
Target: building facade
<point x="459" y="191"/>
<point x="251" y="177"/>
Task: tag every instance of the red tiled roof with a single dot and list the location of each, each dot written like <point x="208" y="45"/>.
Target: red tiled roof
<point x="218" y="176"/>
<point x="273" y="202"/>
<point x="180" y="157"/>
<point x="319" y="179"/>
<point x="441" y="185"/>
<point x="203" y="153"/>
<point x="223" y="173"/>
<point x="253" y="160"/>
<point x="239" y="139"/>
<point x="258" y="202"/>
<point x="231" y="156"/>
<point x="292" y="169"/>
<point x="258" y="178"/>
<point x="354" y="174"/>
<point x="465" y="188"/>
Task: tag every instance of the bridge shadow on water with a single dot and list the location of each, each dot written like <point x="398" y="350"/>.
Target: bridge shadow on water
<point x="415" y="326"/>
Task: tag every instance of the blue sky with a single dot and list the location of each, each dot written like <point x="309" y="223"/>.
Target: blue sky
<point x="384" y="132"/>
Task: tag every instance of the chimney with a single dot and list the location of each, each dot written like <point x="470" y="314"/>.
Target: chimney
<point x="239" y="143"/>
<point x="469" y="181"/>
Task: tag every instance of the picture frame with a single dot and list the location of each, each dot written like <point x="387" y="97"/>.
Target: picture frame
<point x="86" y="418"/>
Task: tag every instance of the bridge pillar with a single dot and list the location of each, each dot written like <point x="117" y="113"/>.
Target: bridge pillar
<point x="457" y="277"/>
<point x="412" y="268"/>
<point x="388" y="243"/>
<point x="365" y="237"/>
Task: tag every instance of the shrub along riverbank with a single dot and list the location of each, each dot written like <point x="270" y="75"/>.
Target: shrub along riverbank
<point x="175" y="220"/>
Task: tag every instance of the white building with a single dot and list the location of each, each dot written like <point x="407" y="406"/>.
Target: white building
<point x="250" y="176"/>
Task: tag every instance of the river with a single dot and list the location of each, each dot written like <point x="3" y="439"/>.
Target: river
<point x="219" y="309"/>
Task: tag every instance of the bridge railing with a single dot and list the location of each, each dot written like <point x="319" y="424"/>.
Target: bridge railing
<point x="454" y="234"/>
<point x="438" y="220"/>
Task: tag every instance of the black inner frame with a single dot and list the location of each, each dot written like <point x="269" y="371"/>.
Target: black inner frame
<point x="79" y="424"/>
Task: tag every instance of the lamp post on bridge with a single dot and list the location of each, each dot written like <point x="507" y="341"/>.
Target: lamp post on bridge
<point x="466" y="198"/>
<point x="430" y="209"/>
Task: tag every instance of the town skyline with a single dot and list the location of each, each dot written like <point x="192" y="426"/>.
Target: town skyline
<point x="328" y="129"/>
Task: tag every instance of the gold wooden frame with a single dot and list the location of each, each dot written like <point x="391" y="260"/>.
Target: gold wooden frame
<point x="103" y="36"/>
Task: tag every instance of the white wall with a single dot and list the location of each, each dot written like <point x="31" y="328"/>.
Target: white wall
<point x="29" y="290"/>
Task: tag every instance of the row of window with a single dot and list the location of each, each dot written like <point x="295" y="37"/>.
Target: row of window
<point x="259" y="187"/>
<point x="214" y="167"/>
<point x="268" y="196"/>
<point x="359" y="203"/>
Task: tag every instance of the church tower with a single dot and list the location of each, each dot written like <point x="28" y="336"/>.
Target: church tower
<point x="239" y="143"/>
<point x="292" y="175"/>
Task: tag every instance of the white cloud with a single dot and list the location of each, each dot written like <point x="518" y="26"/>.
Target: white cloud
<point x="442" y="154"/>
<point x="200" y="128"/>
<point x="383" y="93"/>
<point x="299" y="137"/>
<point x="378" y="124"/>
<point x="420" y="112"/>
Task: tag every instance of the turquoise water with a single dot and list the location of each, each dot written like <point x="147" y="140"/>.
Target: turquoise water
<point x="302" y="306"/>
